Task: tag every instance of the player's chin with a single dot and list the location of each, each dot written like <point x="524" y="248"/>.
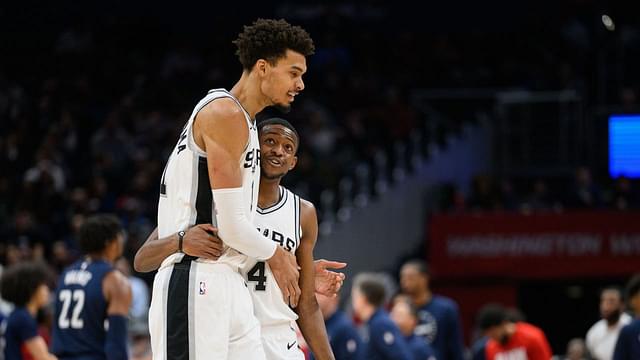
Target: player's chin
<point x="272" y="175"/>
<point x="283" y="108"/>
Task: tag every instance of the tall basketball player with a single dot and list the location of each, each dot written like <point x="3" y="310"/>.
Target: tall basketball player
<point x="201" y="308"/>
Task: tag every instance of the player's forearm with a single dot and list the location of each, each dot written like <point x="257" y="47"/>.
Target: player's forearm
<point x="154" y="251"/>
<point x="312" y="326"/>
<point x="235" y="229"/>
<point x="38" y="349"/>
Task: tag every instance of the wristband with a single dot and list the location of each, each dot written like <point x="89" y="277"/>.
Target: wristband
<point x="181" y="234"/>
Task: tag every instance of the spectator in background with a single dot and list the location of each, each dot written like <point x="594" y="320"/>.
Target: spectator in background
<point x="479" y="347"/>
<point x="585" y="193"/>
<point x="343" y="336"/>
<point x="24" y="234"/>
<point x="483" y="195"/>
<point x="383" y="339"/>
<point x="623" y="196"/>
<point x="628" y="344"/>
<point x="539" y="199"/>
<point x="439" y="321"/>
<point x="511" y="340"/>
<point x="602" y="336"/>
<point x="576" y="350"/>
<point x="26" y="286"/>
<point x="405" y="315"/>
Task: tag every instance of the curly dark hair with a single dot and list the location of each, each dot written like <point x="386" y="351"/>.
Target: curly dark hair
<point x="20" y="282"/>
<point x="491" y="315"/>
<point x="270" y="39"/>
<point x="98" y="232"/>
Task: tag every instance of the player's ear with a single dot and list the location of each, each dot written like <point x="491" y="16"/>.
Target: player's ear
<point x="294" y="162"/>
<point x="261" y="66"/>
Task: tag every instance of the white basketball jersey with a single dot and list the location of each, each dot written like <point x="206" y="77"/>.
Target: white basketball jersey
<point x="185" y="189"/>
<point x="280" y="223"/>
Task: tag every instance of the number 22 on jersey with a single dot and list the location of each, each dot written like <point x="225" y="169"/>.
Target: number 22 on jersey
<point x="72" y="304"/>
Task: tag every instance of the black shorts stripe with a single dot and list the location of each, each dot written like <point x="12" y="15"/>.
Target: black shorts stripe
<point x="204" y="197"/>
<point x="178" y="311"/>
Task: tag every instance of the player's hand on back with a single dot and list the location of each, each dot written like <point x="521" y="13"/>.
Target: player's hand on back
<point x="327" y="282"/>
<point x="286" y="271"/>
<point x="202" y="241"/>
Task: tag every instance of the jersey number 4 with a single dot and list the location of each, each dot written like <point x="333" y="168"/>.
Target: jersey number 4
<point x="67" y="297"/>
<point x="258" y="274"/>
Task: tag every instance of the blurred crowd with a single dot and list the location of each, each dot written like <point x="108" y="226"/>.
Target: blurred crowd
<point x="529" y="195"/>
<point x="90" y="109"/>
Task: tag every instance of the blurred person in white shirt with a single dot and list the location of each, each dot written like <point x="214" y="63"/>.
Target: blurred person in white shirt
<point x="602" y="336"/>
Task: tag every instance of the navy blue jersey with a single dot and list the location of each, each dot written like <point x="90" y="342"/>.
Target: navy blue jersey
<point x="479" y="349"/>
<point x="383" y="339"/>
<point x="628" y="344"/>
<point x="81" y="311"/>
<point x="21" y="327"/>
<point x="419" y="348"/>
<point x="343" y="337"/>
<point x="439" y="324"/>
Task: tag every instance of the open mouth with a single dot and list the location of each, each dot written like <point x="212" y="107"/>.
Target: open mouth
<point x="274" y="162"/>
<point x="292" y="95"/>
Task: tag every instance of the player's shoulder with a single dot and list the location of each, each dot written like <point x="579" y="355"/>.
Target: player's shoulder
<point x="632" y="328"/>
<point x="307" y="206"/>
<point x="116" y="284"/>
<point x="19" y="316"/>
<point x="445" y="302"/>
<point x="597" y="329"/>
<point x="222" y="108"/>
<point x="307" y="209"/>
<point x="530" y="331"/>
<point x="381" y="320"/>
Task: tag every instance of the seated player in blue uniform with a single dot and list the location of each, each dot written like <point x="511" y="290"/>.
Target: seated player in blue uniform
<point x="405" y="315"/>
<point x="382" y="338"/>
<point x="343" y="336"/>
<point x="628" y="344"/>
<point x="91" y="291"/>
<point x="25" y="285"/>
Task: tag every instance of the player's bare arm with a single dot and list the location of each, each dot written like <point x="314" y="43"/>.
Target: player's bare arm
<point x="37" y="347"/>
<point x="310" y="319"/>
<point x="220" y="128"/>
<point x="199" y="241"/>
<point x="117" y="293"/>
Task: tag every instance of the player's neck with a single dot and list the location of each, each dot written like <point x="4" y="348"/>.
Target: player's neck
<point x="247" y="91"/>
<point x="98" y="257"/>
<point x="269" y="192"/>
<point x="366" y="313"/>
<point x="32" y="307"/>
<point x="422" y="298"/>
<point x="510" y="329"/>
